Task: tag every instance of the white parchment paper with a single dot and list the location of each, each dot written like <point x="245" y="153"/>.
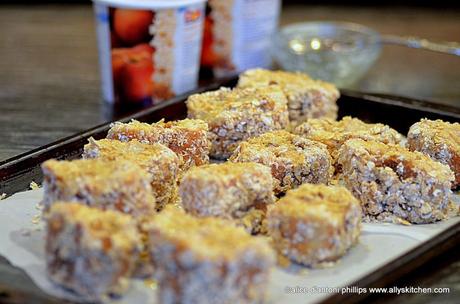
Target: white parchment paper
<point x="22" y="243"/>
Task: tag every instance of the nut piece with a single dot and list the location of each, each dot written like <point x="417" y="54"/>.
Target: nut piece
<point x="238" y="191"/>
<point x="307" y="98"/>
<point x="238" y="114"/>
<point x="158" y="160"/>
<point x="90" y="251"/>
<point x="187" y="138"/>
<point x="293" y="159"/>
<point x="114" y="185"/>
<point x="439" y="140"/>
<point x="393" y="182"/>
<point x="199" y="260"/>
<point x="314" y="224"/>
<point x="335" y="133"/>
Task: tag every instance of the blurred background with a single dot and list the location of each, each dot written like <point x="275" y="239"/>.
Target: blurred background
<point x="49" y="74"/>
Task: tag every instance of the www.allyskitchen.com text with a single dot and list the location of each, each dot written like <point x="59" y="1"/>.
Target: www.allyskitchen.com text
<point x="365" y="290"/>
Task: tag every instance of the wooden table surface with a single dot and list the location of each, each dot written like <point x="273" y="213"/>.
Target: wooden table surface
<point x="49" y="88"/>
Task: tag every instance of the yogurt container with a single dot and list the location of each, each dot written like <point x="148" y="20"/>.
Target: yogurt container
<point x="149" y="50"/>
<point x="238" y="35"/>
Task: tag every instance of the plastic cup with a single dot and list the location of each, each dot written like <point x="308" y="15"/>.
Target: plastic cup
<point x="149" y="50"/>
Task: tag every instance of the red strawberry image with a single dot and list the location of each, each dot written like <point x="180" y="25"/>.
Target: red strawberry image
<point x="132" y="26"/>
<point x="132" y="70"/>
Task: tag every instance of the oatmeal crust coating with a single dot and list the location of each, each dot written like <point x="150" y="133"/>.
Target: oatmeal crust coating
<point x="439" y="140"/>
<point x="188" y="138"/>
<point x="237" y="191"/>
<point x="116" y="185"/>
<point x="393" y="182"/>
<point x="199" y="260"/>
<point x="293" y="160"/>
<point x="238" y="114"/>
<point x="335" y="133"/>
<point x="158" y="160"/>
<point x="314" y="224"/>
<point x="307" y="98"/>
<point x="90" y="251"/>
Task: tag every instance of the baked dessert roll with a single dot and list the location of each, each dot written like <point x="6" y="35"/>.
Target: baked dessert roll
<point x="114" y="185"/>
<point x="90" y="251"/>
<point x="204" y="260"/>
<point x="307" y="98"/>
<point x="238" y="114"/>
<point x="236" y="191"/>
<point x="439" y="140"/>
<point x="315" y="224"/>
<point x="334" y="133"/>
<point x="158" y="160"/>
<point x="293" y="160"/>
<point x="394" y="183"/>
<point x="188" y="138"/>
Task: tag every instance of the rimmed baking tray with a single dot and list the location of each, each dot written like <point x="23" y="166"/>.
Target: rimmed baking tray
<point x="17" y="173"/>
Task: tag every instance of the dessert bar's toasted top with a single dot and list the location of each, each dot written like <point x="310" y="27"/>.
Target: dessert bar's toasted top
<point x="208" y="238"/>
<point x="133" y="150"/>
<point x="104" y="228"/>
<point x="101" y="176"/>
<point x="227" y="170"/>
<point x="189" y="124"/>
<point x="286" y="80"/>
<point x="317" y="200"/>
<point x="134" y="125"/>
<point x="279" y="144"/>
<point x="438" y="131"/>
<point x="325" y="130"/>
<point x="225" y="101"/>
<point x="97" y="169"/>
<point x="407" y="163"/>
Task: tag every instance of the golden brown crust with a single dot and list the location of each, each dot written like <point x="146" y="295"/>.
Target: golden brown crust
<point x="439" y="140"/>
<point x="90" y="251"/>
<point x="307" y="98"/>
<point x="314" y="224"/>
<point x="199" y="259"/>
<point x="293" y="160"/>
<point x="188" y="138"/>
<point x="239" y="191"/>
<point x="158" y="160"/>
<point x="113" y="185"/>
<point x="392" y="181"/>
<point x="335" y="133"/>
<point x="238" y="114"/>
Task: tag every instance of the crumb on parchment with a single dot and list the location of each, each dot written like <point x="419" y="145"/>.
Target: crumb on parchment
<point x="34" y="186"/>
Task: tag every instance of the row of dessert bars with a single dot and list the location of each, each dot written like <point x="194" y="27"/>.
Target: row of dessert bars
<point x="145" y="201"/>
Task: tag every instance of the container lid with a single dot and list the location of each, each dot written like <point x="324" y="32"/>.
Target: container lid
<point x="149" y="4"/>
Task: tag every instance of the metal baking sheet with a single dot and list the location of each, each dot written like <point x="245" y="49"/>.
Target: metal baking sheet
<point x="22" y="236"/>
<point x="398" y="112"/>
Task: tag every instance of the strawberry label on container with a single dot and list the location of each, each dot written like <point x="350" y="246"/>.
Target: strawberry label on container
<point x="148" y="55"/>
<point x="238" y="34"/>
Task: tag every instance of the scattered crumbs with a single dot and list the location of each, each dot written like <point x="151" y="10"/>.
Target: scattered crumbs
<point x="283" y="261"/>
<point x="34" y="186"/>
<point x="401" y="222"/>
<point x="327" y="264"/>
<point x="39" y="206"/>
<point x="2" y="196"/>
<point x="150" y="283"/>
<point x="36" y="219"/>
<point x="25" y="232"/>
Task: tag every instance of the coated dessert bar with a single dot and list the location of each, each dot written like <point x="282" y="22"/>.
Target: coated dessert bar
<point x="238" y="114"/>
<point x="293" y="160"/>
<point x="394" y="183"/>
